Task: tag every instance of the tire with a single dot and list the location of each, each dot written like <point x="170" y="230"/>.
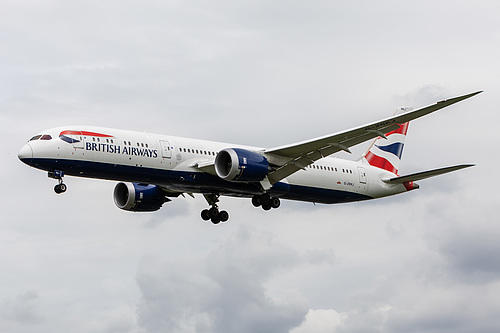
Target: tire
<point x="63" y="187"/>
<point x="57" y="189"/>
<point x="256" y="201"/>
<point x="223" y="216"/>
<point x="266" y="207"/>
<point x="216" y="220"/>
<point x="205" y="215"/>
<point x="213" y="212"/>
<point x="265" y="199"/>
<point x="275" y="202"/>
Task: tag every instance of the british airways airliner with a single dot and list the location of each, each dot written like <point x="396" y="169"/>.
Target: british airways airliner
<point x="153" y="168"/>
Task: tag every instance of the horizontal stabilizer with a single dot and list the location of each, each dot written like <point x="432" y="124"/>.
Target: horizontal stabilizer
<point x="426" y="174"/>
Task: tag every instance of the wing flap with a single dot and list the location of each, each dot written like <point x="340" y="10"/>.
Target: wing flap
<point x="425" y="174"/>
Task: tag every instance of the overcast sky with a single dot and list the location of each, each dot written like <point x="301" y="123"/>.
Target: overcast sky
<point x="263" y="73"/>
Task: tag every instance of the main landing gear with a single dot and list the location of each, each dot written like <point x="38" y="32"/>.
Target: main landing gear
<point x="263" y="200"/>
<point x="266" y="201"/>
<point x="61" y="187"/>
<point x="213" y="213"/>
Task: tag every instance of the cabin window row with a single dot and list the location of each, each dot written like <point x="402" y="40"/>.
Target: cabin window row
<point x="197" y="151"/>
<point x="99" y="140"/>
<point x="320" y="167"/>
<point x="139" y="144"/>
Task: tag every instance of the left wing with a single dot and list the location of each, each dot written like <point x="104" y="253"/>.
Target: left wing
<point x="292" y="158"/>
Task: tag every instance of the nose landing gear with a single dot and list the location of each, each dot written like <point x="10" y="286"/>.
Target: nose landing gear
<point x="57" y="174"/>
<point x="60" y="188"/>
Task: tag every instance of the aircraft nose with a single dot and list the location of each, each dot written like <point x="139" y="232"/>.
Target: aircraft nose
<point x="26" y="154"/>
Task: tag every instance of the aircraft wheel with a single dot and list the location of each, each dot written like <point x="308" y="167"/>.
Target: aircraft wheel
<point x="223" y="216"/>
<point x="60" y="188"/>
<point x="275" y="202"/>
<point x="216" y="219"/>
<point x="265" y="199"/>
<point x="266" y="206"/>
<point x="205" y="215"/>
<point x="213" y="212"/>
<point x="256" y="201"/>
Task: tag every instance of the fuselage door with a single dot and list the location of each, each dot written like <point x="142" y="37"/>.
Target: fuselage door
<point x="362" y="175"/>
<point x="78" y="141"/>
<point x="166" y="150"/>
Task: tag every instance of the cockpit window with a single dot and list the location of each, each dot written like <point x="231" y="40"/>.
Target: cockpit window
<point x="41" y="137"/>
<point x="36" y="137"/>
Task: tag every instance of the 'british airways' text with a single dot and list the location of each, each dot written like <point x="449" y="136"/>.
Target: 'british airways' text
<point x="114" y="149"/>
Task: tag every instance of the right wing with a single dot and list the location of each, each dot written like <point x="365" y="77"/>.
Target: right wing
<point x="291" y="158"/>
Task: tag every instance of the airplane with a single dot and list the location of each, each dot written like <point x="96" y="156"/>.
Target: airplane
<point x="151" y="168"/>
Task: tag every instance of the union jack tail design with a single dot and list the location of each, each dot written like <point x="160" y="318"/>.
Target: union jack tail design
<point x="386" y="153"/>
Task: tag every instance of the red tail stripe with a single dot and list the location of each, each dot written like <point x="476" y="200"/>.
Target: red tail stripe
<point x="380" y="162"/>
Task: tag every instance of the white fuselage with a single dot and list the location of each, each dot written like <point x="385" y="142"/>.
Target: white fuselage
<point x="174" y="163"/>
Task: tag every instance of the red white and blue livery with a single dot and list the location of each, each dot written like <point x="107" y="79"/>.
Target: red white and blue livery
<point x="151" y="169"/>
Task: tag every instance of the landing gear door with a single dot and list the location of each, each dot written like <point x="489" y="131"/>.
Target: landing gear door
<point x="166" y="150"/>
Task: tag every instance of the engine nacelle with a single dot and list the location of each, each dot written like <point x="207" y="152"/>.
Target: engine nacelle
<point x="240" y="165"/>
<point x="139" y="197"/>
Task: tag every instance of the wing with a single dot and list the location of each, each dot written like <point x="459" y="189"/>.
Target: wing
<point x="289" y="159"/>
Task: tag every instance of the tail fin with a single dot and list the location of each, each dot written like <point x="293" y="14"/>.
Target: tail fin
<point x="385" y="153"/>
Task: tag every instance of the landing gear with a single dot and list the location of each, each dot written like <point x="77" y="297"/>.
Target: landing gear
<point x="61" y="187"/>
<point x="213" y="213"/>
<point x="266" y="201"/>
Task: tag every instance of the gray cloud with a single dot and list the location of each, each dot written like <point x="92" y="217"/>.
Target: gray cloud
<point x="222" y="292"/>
<point x="261" y="73"/>
<point x="21" y="312"/>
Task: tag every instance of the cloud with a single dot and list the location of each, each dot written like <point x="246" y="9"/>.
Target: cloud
<point x="21" y="311"/>
<point x="223" y="291"/>
<point x="258" y="73"/>
<point x="321" y="321"/>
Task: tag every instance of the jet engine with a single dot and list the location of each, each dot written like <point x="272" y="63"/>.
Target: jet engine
<point x="139" y="197"/>
<point x="240" y="165"/>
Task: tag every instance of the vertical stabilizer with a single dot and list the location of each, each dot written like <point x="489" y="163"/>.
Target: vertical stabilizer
<point x="386" y="153"/>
